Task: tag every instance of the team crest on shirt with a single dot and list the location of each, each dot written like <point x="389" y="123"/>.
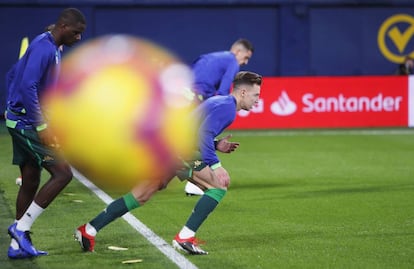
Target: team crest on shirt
<point x="197" y="164"/>
<point x="48" y="158"/>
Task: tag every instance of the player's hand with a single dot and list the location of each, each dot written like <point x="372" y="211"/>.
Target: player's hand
<point x="47" y="138"/>
<point x="223" y="176"/>
<point x="225" y="146"/>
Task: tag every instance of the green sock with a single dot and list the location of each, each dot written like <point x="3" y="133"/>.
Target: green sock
<point x="114" y="210"/>
<point x="204" y="207"/>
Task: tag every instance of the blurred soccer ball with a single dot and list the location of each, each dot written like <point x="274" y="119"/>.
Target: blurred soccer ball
<point x="120" y="110"/>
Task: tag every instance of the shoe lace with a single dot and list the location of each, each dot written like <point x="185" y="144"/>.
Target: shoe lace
<point x="197" y="241"/>
<point x="27" y="235"/>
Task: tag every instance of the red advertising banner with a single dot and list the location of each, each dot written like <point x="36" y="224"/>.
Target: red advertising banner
<point x="328" y="102"/>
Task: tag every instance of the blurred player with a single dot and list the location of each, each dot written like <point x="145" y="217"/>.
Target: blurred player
<point x="215" y="71"/>
<point x="32" y="142"/>
<point x="406" y="67"/>
<point x="23" y="47"/>
<point x="204" y="170"/>
<point x="213" y="74"/>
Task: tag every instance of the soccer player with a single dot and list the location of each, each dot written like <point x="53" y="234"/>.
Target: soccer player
<point x="32" y="142"/>
<point x="204" y="170"/>
<point x="215" y="71"/>
<point x="23" y="48"/>
<point x="213" y="74"/>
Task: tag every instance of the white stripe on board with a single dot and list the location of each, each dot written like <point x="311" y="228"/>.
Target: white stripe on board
<point x="153" y="238"/>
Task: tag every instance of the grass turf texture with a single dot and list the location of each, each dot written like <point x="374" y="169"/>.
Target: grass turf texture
<point x="301" y="199"/>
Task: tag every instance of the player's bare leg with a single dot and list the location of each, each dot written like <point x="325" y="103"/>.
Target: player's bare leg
<point x="214" y="191"/>
<point x="139" y="195"/>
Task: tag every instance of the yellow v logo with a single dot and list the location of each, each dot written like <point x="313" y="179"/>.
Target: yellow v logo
<point x="390" y="30"/>
<point x="401" y="39"/>
<point x="23" y="46"/>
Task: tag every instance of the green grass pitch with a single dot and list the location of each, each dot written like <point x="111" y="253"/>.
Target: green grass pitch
<point x="298" y="199"/>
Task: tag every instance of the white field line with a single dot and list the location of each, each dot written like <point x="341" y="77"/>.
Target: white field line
<point x="153" y="238"/>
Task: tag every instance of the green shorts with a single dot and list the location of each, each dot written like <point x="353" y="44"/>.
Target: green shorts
<point x="28" y="148"/>
<point x="185" y="172"/>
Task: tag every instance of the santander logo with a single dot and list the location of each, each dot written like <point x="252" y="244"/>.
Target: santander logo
<point x="310" y="103"/>
<point x="283" y="106"/>
<point x="316" y="102"/>
<point x="341" y="103"/>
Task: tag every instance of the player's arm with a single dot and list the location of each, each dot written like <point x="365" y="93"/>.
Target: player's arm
<point x="213" y="125"/>
<point x="36" y="65"/>
<point x="208" y="153"/>
<point x="208" y="149"/>
<point x="227" y="79"/>
<point x="214" y="122"/>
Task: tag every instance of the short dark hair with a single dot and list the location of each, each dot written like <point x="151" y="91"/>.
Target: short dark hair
<point x="71" y="16"/>
<point x="245" y="43"/>
<point x="247" y="77"/>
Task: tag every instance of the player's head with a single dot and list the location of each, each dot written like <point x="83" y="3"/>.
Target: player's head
<point x="246" y="89"/>
<point x="243" y="50"/>
<point x="69" y="27"/>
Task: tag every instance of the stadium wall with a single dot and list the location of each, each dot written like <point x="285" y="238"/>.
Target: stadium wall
<point x="291" y="38"/>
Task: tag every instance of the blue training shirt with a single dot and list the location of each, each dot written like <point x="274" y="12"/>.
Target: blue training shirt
<point x="28" y="79"/>
<point x="214" y="72"/>
<point x="215" y="115"/>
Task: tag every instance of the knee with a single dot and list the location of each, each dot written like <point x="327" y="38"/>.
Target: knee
<point x="145" y="190"/>
<point x="65" y="174"/>
<point x="68" y="175"/>
<point x="142" y="198"/>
